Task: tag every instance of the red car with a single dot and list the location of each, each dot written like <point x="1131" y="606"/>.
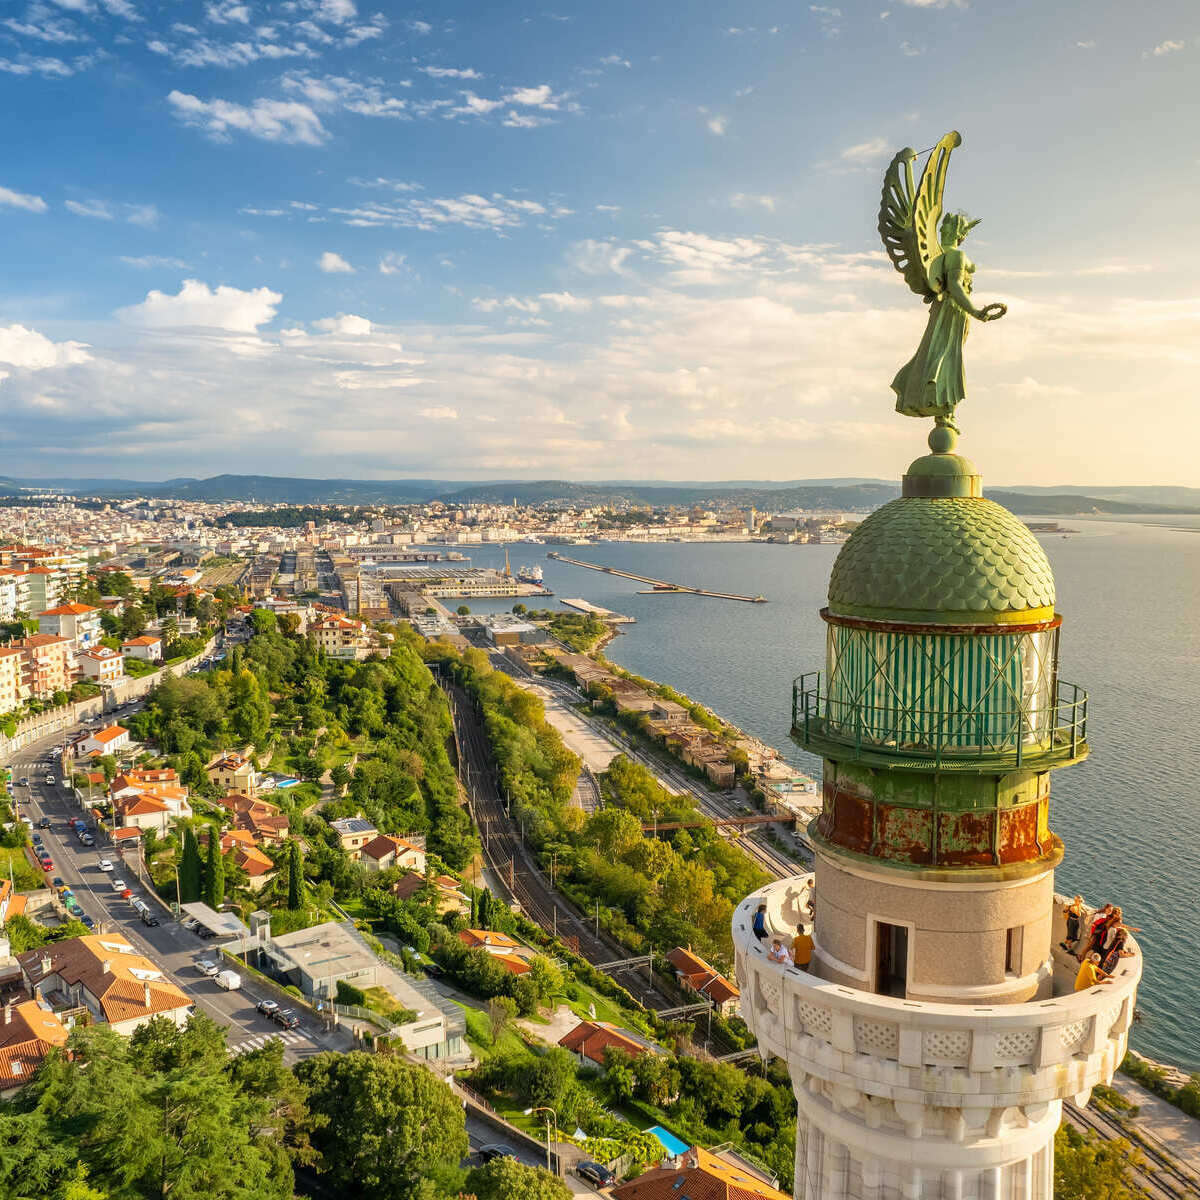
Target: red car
<point x="47" y="865"/>
<point x="126" y="894"/>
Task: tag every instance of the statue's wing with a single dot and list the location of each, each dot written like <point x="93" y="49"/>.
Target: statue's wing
<point x="897" y="228"/>
<point x="927" y="209"/>
<point x="909" y="216"/>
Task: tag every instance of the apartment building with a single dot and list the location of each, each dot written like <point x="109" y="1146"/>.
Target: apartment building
<point x="44" y="585"/>
<point x="14" y="593"/>
<point x="78" y="622"/>
<point x="101" y="665"/>
<point x="49" y="664"/>
<point x="13" y="689"/>
<point x="342" y="637"/>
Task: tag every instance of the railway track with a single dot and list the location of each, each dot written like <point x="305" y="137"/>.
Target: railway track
<point x="1160" y="1177"/>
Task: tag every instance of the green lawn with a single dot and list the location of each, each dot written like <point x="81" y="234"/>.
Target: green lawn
<point x="479" y="1035"/>
<point x="26" y="878"/>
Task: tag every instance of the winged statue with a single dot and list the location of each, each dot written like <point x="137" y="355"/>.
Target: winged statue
<point x="924" y="246"/>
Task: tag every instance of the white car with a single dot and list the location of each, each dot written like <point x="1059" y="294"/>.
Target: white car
<point x="206" y="966"/>
<point x="49" y="780"/>
<point x="104" y="865"/>
<point x="119" y="885"/>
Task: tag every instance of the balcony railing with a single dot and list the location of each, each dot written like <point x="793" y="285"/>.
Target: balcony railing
<point x="1052" y="734"/>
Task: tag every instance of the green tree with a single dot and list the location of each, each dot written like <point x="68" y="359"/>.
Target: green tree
<point x="214" y="871"/>
<point x="546" y="1081"/>
<point x="501" y="1011"/>
<point x="508" y="1179"/>
<point x="463" y="610"/>
<point x="190" y="871"/>
<point x="295" y="877"/>
<point x="381" y="1125"/>
<point x="1086" y="1168"/>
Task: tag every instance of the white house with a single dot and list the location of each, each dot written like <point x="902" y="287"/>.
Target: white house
<point x="101" y="664"/>
<point x="148" y="647"/>
<point x="103" y="741"/>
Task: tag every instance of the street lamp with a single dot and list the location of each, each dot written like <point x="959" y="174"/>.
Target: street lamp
<point x="545" y="1108"/>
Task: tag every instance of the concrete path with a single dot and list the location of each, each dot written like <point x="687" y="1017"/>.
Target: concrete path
<point x="1178" y="1133"/>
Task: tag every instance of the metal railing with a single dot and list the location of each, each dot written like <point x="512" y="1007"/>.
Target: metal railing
<point x="1057" y="729"/>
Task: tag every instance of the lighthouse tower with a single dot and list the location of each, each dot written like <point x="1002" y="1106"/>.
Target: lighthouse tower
<point x="937" y="1032"/>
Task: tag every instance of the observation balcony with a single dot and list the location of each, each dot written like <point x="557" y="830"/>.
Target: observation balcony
<point x="986" y="740"/>
<point x="864" y="1048"/>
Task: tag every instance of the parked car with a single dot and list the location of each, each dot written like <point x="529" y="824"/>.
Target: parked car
<point x="57" y="883"/>
<point x="148" y="918"/>
<point x="24" y="780"/>
<point x="88" y="840"/>
<point x="286" y="1018"/>
<point x="47" y="864"/>
<point x="595" y="1173"/>
<point x="104" y="865"/>
<point x="44" y="823"/>
<point x="206" y="966"/>
<point x="496" y="1150"/>
<point x="88" y="921"/>
<point x="191" y="923"/>
<point x="75" y="910"/>
<point x="49" y="780"/>
<point x="203" y="932"/>
<point x="267" y="1007"/>
<point x="36" y="838"/>
<point x="118" y="885"/>
<point x="126" y="893"/>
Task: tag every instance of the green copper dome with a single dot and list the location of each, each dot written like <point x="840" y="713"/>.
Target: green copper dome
<point x="943" y="560"/>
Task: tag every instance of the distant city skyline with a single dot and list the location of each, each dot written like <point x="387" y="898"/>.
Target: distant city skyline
<point x="326" y="239"/>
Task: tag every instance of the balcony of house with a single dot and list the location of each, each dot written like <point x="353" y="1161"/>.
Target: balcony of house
<point x="1032" y="737"/>
<point x="1041" y="1051"/>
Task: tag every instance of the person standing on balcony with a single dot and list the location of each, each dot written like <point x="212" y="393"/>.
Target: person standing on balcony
<point x="1074" y="914"/>
<point x="759" y="924"/>
<point x="802" y="948"/>
<point x="1096" y="933"/>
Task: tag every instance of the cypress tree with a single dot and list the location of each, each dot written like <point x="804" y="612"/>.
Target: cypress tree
<point x="295" y="877"/>
<point x="189" y="868"/>
<point x="214" y="872"/>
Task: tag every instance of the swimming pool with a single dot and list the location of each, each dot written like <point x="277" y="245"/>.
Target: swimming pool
<point x="671" y="1143"/>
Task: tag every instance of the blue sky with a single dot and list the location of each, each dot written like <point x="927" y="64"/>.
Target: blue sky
<point x="319" y="237"/>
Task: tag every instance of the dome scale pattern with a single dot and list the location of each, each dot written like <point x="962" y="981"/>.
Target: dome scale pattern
<point x="951" y="560"/>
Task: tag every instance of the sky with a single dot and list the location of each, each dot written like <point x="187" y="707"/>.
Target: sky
<point x="587" y="241"/>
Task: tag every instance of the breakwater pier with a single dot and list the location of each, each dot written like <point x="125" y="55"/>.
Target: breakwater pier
<point x="657" y="586"/>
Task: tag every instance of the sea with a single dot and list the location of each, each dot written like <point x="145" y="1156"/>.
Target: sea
<point x="1128" y="592"/>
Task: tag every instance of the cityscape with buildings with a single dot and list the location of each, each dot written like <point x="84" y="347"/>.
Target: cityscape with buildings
<point x="513" y="683"/>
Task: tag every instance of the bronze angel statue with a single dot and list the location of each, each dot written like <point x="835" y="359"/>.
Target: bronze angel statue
<point x="924" y="247"/>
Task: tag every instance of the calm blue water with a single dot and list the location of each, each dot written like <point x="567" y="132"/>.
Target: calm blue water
<point x="1130" y="815"/>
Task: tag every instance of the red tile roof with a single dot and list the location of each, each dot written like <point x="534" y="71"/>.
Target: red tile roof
<point x="701" y="977"/>
<point x="71" y="609"/>
<point x="698" y="1175"/>
<point x="590" y="1039"/>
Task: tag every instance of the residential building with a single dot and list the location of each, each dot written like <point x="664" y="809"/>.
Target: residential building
<point x="258" y="867"/>
<point x="315" y="959"/>
<point x="12" y="903"/>
<point x="510" y="954"/>
<point x="143" y="810"/>
<point x="103" y="741"/>
<point x="13" y="688"/>
<point x="449" y="895"/>
<point x="589" y="1040"/>
<point x="42" y="588"/>
<point x="103" y="974"/>
<point x="148" y="647"/>
<point x="78" y="622"/>
<point x="701" y="1175"/>
<point x="49" y="664"/>
<point x="354" y="833"/>
<point x="28" y="1032"/>
<point x="14" y="593"/>
<point x="697" y="976"/>
<point x="385" y="851"/>
<point x="264" y="821"/>
<point x="343" y="637"/>
<point x="101" y="664"/>
<point x="235" y="773"/>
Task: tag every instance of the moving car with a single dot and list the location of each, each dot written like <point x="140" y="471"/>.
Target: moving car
<point x="148" y="918"/>
<point x="286" y="1018"/>
<point x="118" y="885"/>
<point x="206" y="966"/>
<point x="126" y="893"/>
<point x="104" y="865"/>
<point x="595" y="1173"/>
<point x="267" y="1007"/>
<point x="44" y="823"/>
<point x="496" y="1150"/>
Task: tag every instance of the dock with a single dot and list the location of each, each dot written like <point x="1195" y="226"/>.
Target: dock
<point x="658" y="586"/>
<point x="605" y="614"/>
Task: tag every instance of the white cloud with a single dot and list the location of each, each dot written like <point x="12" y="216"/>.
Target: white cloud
<point x="495" y="211"/>
<point x="1090" y="44"/>
<point x="451" y="72"/>
<point x="934" y="3"/>
<point x="145" y="215"/>
<point x="615" y="60"/>
<point x="440" y="413"/>
<point x="717" y="124"/>
<point x="420" y="28"/>
<point x="197" y="305"/>
<point x="45" y="29"/>
<point x="334" y="264"/>
<point x="393" y="264"/>
<point x="865" y="152"/>
<point x="331" y="92"/>
<point x="344" y="324"/>
<point x="335" y="12"/>
<point x="593" y="257"/>
<point x="25" y="200"/>
<point x="33" y="351"/>
<point x="146" y="262"/>
<point x="27" y="64"/>
<point x="272" y="120"/>
<point x="747" y="200"/>
<point x="1167" y="47"/>
<point x="829" y="20"/>
<point x="225" y="12"/>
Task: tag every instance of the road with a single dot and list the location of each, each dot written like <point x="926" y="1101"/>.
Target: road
<point x="169" y="945"/>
